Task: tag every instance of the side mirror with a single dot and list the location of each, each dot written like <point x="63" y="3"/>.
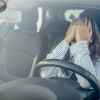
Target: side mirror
<point x="3" y="5"/>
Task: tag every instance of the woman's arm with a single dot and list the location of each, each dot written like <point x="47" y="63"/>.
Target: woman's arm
<point x="58" y="53"/>
<point x="97" y="66"/>
<point x="81" y="55"/>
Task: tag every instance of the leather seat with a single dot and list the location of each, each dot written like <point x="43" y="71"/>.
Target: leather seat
<point x="19" y="51"/>
<point x="20" y="47"/>
<point x="38" y="89"/>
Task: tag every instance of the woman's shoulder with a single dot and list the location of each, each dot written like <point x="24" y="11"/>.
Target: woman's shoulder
<point x="97" y="59"/>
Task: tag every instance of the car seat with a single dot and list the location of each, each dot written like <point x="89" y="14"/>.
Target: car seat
<point x="20" y="47"/>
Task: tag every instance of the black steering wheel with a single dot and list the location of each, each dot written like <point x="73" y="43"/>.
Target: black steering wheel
<point x="3" y="5"/>
<point x="89" y="93"/>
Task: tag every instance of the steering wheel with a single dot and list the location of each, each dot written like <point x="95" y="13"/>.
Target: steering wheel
<point x="3" y="5"/>
<point x="89" y="93"/>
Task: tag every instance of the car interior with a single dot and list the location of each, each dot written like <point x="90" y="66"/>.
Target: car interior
<point x="23" y="51"/>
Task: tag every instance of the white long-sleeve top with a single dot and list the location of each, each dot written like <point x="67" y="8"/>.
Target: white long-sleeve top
<point x="81" y="56"/>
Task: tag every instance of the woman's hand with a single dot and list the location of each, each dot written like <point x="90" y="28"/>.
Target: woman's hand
<point x="70" y="34"/>
<point x="83" y="32"/>
<point x="79" y="31"/>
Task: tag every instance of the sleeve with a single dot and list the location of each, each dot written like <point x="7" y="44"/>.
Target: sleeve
<point x="58" y="53"/>
<point x="81" y="55"/>
<point x="98" y="68"/>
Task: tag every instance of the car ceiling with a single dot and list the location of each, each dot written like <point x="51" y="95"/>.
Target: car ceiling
<point x="29" y="4"/>
<point x="20" y="4"/>
<point x="25" y="5"/>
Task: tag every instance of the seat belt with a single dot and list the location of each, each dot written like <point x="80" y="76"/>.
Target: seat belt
<point x="33" y="66"/>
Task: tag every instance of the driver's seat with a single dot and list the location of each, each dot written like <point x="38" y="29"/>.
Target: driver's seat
<point x="20" y="48"/>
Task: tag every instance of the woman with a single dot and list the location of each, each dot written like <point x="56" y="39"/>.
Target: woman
<point x="80" y="39"/>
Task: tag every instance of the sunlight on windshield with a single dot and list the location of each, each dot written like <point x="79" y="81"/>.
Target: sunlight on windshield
<point x="11" y="16"/>
<point x="70" y="15"/>
<point x="40" y="19"/>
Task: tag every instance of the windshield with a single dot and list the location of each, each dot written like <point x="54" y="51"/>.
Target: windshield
<point x="50" y="46"/>
<point x="26" y="37"/>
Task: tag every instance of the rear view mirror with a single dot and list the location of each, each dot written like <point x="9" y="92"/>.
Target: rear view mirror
<point x="3" y="5"/>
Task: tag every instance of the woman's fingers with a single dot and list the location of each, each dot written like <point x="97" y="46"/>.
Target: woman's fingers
<point x="85" y="22"/>
<point x="82" y="33"/>
<point x="78" y="31"/>
<point x="70" y="34"/>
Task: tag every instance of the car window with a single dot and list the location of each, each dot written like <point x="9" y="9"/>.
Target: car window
<point x="49" y="23"/>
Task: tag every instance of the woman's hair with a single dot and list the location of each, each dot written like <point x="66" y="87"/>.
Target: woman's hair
<point x="94" y="44"/>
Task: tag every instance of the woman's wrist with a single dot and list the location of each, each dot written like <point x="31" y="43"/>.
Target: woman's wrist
<point x="67" y="41"/>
